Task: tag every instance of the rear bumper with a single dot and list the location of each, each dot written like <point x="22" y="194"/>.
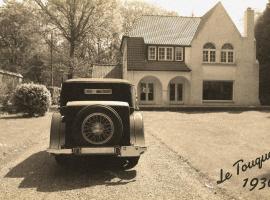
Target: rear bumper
<point x="123" y="151"/>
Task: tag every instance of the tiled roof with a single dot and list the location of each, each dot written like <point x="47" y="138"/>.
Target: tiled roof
<point x="172" y="30"/>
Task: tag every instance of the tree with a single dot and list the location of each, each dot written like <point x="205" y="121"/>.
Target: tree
<point x="17" y="35"/>
<point x="22" y="46"/>
<point x="262" y="33"/>
<point x="83" y="32"/>
<point x="77" y="20"/>
<point x="133" y="10"/>
<point x="35" y="69"/>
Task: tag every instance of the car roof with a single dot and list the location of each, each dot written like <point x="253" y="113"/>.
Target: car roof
<point x="97" y="80"/>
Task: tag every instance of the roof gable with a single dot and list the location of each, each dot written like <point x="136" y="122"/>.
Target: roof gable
<point x="172" y="30"/>
<point x="217" y="9"/>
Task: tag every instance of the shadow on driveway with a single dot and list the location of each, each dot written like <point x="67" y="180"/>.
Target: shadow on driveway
<point x="41" y="171"/>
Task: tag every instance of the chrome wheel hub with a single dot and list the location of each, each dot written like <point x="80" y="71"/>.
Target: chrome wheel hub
<point x="97" y="128"/>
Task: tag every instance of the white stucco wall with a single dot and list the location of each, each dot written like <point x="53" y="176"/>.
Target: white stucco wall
<point x="219" y="29"/>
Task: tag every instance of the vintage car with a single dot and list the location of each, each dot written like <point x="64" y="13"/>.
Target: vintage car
<point x="98" y="117"/>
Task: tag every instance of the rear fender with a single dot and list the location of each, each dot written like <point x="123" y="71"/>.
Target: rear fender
<point x="137" y="129"/>
<point x="57" y="133"/>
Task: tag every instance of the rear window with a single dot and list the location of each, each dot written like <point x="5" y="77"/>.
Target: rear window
<point x="96" y="92"/>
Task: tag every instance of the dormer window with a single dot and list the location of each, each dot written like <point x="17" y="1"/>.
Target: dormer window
<point x="227" y="54"/>
<point x="165" y="53"/>
<point x="152" y="53"/>
<point x="178" y="53"/>
<point x="161" y="53"/>
<point x="169" y="53"/>
<point x="209" y="53"/>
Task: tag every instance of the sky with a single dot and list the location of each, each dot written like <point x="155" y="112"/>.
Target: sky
<point x="235" y="8"/>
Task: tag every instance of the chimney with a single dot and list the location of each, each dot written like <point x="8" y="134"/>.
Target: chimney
<point x="249" y="23"/>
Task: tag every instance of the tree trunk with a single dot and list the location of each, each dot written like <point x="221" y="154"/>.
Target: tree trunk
<point x="71" y="59"/>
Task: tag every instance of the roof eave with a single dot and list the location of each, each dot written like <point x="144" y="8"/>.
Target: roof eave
<point x="168" y="44"/>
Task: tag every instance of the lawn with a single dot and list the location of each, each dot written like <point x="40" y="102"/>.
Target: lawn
<point x="216" y="140"/>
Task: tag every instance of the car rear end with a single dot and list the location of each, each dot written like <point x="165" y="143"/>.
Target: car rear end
<point x="97" y="119"/>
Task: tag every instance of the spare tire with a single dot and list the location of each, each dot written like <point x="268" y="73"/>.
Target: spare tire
<point x="98" y="125"/>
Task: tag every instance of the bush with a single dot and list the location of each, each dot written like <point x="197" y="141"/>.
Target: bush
<point x="55" y="94"/>
<point x="31" y="99"/>
<point x="7" y="104"/>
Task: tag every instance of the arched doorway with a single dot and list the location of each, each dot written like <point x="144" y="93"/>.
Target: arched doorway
<point x="178" y="90"/>
<point x="149" y="91"/>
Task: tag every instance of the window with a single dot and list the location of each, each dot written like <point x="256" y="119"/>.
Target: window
<point x="227" y="53"/>
<point x="165" y="53"/>
<point x="169" y="53"/>
<point x="176" y="92"/>
<point x="230" y="57"/>
<point x="209" y="53"/>
<point x="223" y="57"/>
<point x="152" y="53"/>
<point x="205" y="56"/>
<point x="143" y="92"/>
<point x="218" y="90"/>
<point x="212" y="56"/>
<point x="161" y="53"/>
<point x="147" y="92"/>
<point x="150" y="91"/>
<point x="178" y="53"/>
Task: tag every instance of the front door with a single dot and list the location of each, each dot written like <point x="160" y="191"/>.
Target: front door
<point x="147" y="92"/>
<point x="176" y="93"/>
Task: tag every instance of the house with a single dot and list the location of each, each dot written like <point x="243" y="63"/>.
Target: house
<point x="174" y="61"/>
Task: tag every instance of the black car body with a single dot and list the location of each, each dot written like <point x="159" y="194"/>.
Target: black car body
<point x="98" y="117"/>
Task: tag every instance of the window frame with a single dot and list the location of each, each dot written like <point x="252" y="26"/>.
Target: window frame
<point x="210" y="52"/>
<point x="233" y="57"/>
<point x="159" y="53"/>
<point x="171" y="54"/>
<point x="176" y="93"/>
<point x="223" y="55"/>
<point x="227" y="50"/>
<point x="219" y="100"/>
<point x="182" y="54"/>
<point x="146" y="100"/>
<point x="149" y="50"/>
<point x="165" y="53"/>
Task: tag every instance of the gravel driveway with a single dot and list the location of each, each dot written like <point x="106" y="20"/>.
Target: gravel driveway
<point x="213" y="141"/>
<point x="185" y="154"/>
